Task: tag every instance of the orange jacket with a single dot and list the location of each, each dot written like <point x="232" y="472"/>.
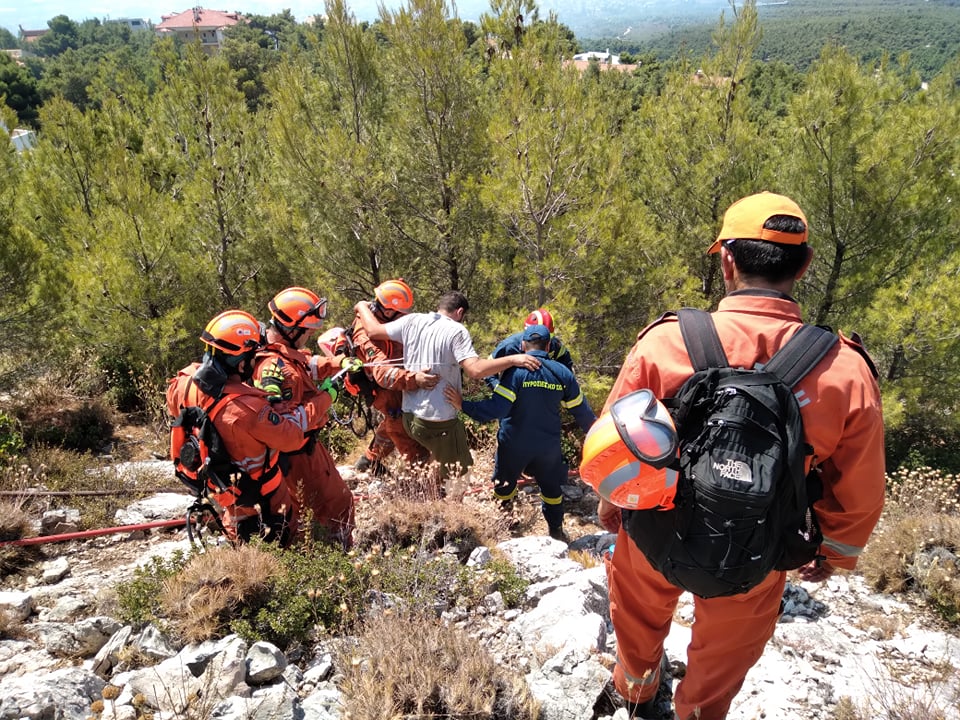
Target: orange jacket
<point x="299" y="384"/>
<point x="251" y="428"/>
<point x="842" y="419"/>
<point x="322" y="366"/>
<point x="392" y="379"/>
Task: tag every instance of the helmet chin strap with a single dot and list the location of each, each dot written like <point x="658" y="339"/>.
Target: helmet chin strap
<point x="291" y="335"/>
<point x="245" y="367"/>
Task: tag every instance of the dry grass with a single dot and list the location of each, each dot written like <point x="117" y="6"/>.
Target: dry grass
<point x="586" y="558"/>
<point x="10" y="627"/>
<point x="898" y="696"/>
<point x="923" y="490"/>
<point x="14" y="522"/>
<point x="15" y="525"/>
<point x="51" y="469"/>
<point x="415" y="666"/>
<point x="430" y="525"/>
<point x="412" y="509"/>
<point x="889" y="562"/>
<point x="915" y="547"/>
<point x="879" y="625"/>
<point x="51" y="414"/>
<point x="204" y="597"/>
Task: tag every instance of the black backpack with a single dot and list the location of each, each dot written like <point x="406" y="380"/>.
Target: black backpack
<point x="744" y="505"/>
<point x="200" y="459"/>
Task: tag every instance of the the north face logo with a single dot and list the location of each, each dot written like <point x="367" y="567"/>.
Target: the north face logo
<point x="734" y="470"/>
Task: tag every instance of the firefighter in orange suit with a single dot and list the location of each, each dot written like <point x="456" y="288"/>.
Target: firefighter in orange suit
<point x="289" y="376"/>
<point x="763" y="251"/>
<point x="384" y="366"/>
<point x="253" y="431"/>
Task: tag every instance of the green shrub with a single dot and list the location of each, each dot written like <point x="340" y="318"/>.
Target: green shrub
<point x="319" y="588"/>
<point x="85" y="427"/>
<point x="508" y="581"/>
<point x="315" y="590"/>
<point x="421" y="579"/>
<point x="121" y="380"/>
<point x="473" y="584"/>
<point x="924" y="442"/>
<point x="339" y="438"/>
<point x="139" y="598"/>
<point x="11" y="437"/>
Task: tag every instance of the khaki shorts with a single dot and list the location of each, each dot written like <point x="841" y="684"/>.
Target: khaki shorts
<point x="445" y="439"/>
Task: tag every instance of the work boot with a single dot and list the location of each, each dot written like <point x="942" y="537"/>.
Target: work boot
<point x="557" y="533"/>
<point x="660" y="706"/>
<point x="374" y="467"/>
<point x="646" y="710"/>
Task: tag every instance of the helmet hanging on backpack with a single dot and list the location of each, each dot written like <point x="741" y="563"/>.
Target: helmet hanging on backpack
<point x="628" y="450"/>
<point x="333" y="342"/>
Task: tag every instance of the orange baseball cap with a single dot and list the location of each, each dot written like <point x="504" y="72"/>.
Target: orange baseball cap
<point x="745" y="218"/>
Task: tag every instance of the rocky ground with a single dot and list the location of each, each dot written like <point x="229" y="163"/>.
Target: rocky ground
<point x="837" y="640"/>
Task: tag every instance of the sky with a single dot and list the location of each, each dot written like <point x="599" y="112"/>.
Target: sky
<point x="34" y="14"/>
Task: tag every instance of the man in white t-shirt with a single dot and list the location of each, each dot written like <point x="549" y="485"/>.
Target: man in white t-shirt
<point x="438" y="341"/>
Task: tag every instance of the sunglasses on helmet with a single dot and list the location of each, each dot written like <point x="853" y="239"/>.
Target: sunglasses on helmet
<point x="319" y="310"/>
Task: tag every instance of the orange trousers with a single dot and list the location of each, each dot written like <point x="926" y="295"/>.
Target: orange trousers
<point x="728" y="634"/>
<point x="281" y="504"/>
<point x="315" y="485"/>
<point x="390" y="434"/>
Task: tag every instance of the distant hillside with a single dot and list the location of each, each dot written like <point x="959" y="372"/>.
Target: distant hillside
<point x="794" y="31"/>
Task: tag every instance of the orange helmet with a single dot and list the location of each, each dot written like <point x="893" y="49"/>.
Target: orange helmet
<point x="298" y="307"/>
<point x="333" y="342"/>
<point x="627" y="452"/>
<point x="394" y="295"/>
<point x="234" y="332"/>
<point x="540" y="317"/>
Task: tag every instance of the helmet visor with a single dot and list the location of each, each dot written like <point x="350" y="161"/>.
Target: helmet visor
<point x="314" y="317"/>
<point x="646" y="428"/>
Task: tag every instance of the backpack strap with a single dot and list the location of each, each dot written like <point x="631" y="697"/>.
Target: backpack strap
<point x="215" y="405"/>
<point x="701" y="338"/>
<point x="801" y="354"/>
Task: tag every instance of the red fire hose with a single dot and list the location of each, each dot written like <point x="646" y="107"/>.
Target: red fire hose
<point x="93" y="533"/>
<point x="43" y="539"/>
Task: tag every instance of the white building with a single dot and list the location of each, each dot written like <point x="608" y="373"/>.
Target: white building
<point x="604" y="58"/>
<point x="133" y="23"/>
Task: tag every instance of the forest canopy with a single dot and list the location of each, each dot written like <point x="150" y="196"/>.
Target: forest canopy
<point x="167" y="184"/>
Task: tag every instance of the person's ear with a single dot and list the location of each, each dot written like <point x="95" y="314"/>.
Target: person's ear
<point x="806" y="263"/>
<point x="727" y="265"/>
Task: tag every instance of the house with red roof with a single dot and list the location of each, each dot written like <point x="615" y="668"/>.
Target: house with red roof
<point x="31" y="36"/>
<point x="199" y="25"/>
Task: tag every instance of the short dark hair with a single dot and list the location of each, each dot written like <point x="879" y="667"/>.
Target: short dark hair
<point x="772" y="261"/>
<point x="538" y="344"/>
<point x="453" y="301"/>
